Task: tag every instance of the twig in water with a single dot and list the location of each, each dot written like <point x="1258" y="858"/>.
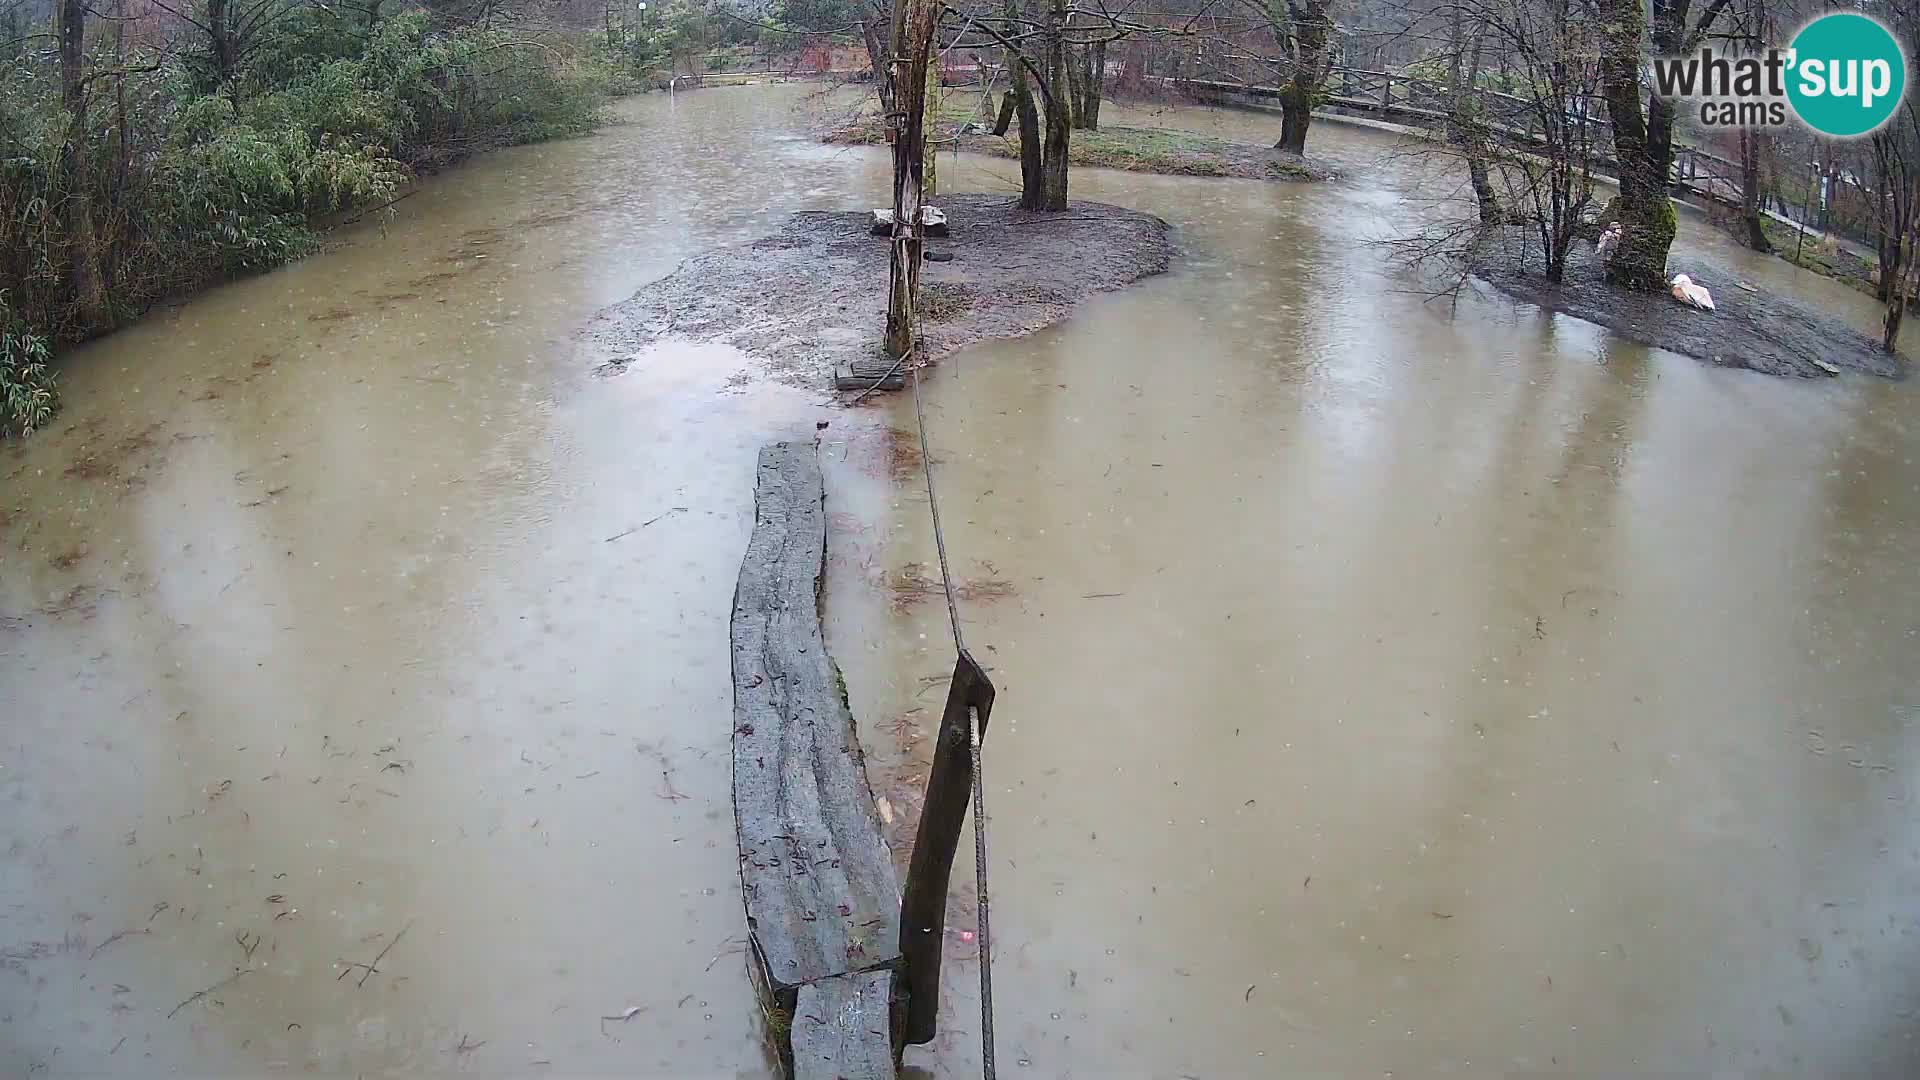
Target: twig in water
<point x="382" y="206"/>
<point x="672" y="794"/>
<point x="466" y="1046"/>
<point x="727" y="952"/>
<point x="644" y="524"/>
<point x="1099" y="595"/>
<point x="375" y="966"/>
<point x="117" y="935"/>
<point x="246" y="948"/>
<point x="198" y="994"/>
<point x="629" y="1013"/>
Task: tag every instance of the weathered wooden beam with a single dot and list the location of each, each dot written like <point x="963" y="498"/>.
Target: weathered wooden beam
<point x="923" y="910"/>
<point x="864" y="374"/>
<point x="841" y="1027"/>
<point x="821" y="894"/>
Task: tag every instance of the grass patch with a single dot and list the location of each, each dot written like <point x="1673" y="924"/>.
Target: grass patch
<point x="1154" y="150"/>
<point x="941" y="301"/>
<point x="1825" y="259"/>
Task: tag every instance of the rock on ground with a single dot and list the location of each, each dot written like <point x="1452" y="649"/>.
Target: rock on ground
<point x="1749" y="328"/>
<point x="814" y="295"/>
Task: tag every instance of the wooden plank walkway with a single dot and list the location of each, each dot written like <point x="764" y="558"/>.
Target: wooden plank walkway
<point x="822" y="897"/>
<point x="840" y="1028"/>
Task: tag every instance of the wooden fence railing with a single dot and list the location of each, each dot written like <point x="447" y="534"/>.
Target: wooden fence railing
<point x="1427" y="104"/>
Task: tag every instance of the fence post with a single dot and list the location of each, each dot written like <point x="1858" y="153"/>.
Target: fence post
<point x="923" y="902"/>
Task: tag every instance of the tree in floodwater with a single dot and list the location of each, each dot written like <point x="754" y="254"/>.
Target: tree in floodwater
<point x="1466" y="124"/>
<point x="1303" y="32"/>
<point x="1055" y="57"/>
<point x="1530" y="153"/>
<point x="1752" y="143"/>
<point x="1087" y="61"/>
<point x="1896" y="191"/>
<point x="1643" y="127"/>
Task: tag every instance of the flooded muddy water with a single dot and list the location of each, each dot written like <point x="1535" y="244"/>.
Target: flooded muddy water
<point x="345" y="601"/>
<point x="1384" y="686"/>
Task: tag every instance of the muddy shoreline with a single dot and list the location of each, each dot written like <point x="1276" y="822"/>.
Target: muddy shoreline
<point x="1751" y="326"/>
<point x="813" y="295"/>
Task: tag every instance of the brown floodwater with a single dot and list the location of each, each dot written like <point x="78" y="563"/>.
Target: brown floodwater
<point x="1386" y="686"/>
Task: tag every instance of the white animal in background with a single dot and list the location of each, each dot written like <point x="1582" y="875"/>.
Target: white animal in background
<point x="1610" y="239"/>
<point x="1685" y="291"/>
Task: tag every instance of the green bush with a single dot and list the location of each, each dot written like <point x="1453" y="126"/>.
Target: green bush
<point x="193" y="182"/>
<point x="27" y="397"/>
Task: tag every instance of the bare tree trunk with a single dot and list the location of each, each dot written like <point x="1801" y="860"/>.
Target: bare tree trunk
<point x="1465" y="126"/>
<point x="1059" y="111"/>
<point x="220" y="41"/>
<point x="929" y="169"/>
<point x="914" y="25"/>
<point x="1076" y="74"/>
<point x="122" y="155"/>
<point x="1311" y="30"/>
<point x="1033" y="186"/>
<point x="873" y="35"/>
<point x="1645" y="211"/>
<point x="83" y="256"/>
<point x="1093" y="88"/>
<point x="1888" y="221"/>
<point x="1750" y="190"/>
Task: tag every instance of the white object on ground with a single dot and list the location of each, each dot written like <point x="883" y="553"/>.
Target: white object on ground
<point x="1610" y="239"/>
<point x="1685" y="291"/>
<point x="930" y="216"/>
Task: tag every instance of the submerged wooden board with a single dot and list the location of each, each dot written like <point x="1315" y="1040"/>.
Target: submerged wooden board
<point x="821" y="893"/>
<point x="840" y="1028"/>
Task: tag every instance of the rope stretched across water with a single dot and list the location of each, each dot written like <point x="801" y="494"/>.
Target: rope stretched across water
<point x="973" y="741"/>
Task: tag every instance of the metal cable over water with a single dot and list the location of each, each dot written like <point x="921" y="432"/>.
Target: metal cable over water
<point x="973" y="741"/>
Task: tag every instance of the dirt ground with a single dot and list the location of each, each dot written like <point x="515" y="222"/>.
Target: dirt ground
<point x="1749" y="327"/>
<point x="814" y="295"/>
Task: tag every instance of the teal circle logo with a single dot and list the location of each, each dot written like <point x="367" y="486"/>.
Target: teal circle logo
<point x="1846" y="74"/>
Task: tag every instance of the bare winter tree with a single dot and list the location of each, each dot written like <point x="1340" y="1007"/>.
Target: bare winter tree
<point x="1466" y="116"/>
<point x="232" y="29"/>
<point x="1529" y="153"/>
<point x="1043" y="42"/>
<point x="1896" y="192"/>
<point x="83" y="249"/>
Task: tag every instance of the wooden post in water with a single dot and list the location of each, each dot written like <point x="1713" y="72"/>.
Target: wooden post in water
<point x="914" y="23"/>
<point x="923" y="903"/>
